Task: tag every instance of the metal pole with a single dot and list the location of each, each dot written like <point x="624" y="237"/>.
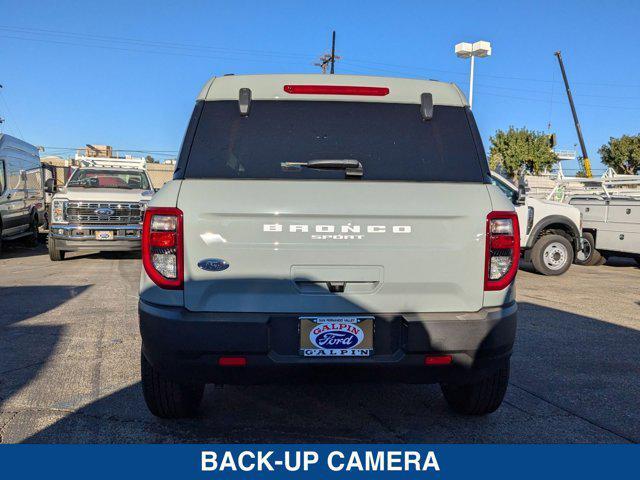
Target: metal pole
<point x="585" y="157"/>
<point x="333" y="52"/>
<point x="471" y="83"/>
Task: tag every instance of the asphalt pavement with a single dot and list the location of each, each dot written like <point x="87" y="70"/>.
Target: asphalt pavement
<point x="69" y="369"/>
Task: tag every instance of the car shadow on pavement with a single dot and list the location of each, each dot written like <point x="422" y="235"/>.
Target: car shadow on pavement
<point x="24" y="347"/>
<point x="574" y="379"/>
<point x="621" y="262"/>
<point x="19" y="248"/>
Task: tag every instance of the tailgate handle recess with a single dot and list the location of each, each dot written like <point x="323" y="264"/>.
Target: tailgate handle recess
<point x="336" y="287"/>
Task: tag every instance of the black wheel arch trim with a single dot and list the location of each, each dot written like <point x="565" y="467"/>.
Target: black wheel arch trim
<point x="555" y="219"/>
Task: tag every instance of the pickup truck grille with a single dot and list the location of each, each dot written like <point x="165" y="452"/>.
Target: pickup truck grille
<point x="107" y="212"/>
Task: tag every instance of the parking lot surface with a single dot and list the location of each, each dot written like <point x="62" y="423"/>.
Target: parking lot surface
<point x="69" y="369"/>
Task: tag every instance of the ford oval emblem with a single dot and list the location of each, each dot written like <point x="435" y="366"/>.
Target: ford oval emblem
<point x="104" y="211"/>
<point x="336" y="336"/>
<point x="213" y="264"/>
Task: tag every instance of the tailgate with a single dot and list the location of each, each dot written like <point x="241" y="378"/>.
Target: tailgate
<point x="334" y="246"/>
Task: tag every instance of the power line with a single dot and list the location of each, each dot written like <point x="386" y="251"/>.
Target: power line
<point x="362" y="63"/>
<point x="151" y="43"/>
<point x="615" y="107"/>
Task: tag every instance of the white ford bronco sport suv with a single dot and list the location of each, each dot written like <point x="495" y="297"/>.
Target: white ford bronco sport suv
<point x="328" y="228"/>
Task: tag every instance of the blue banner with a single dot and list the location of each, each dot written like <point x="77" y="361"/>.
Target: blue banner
<point x="95" y="462"/>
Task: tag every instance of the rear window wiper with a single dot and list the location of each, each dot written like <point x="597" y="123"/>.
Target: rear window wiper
<point x="351" y="167"/>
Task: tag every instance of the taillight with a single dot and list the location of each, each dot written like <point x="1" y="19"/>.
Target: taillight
<point x="502" y="250"/>
<point x="337" y="90"/>
<point x="162" y="247"/>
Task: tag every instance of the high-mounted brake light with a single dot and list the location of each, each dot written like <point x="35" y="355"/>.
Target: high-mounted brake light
<point x="336" y="90"/>
<point x="162" y="247"/>
<point x="502" y="250"/>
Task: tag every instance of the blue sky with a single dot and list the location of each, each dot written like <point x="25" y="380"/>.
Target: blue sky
<point x="127" y="73"/>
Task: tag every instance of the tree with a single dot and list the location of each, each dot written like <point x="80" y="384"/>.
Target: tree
<point x="622" y="154"/>
<point x="150" y="159"/>
<point x="516" y="148"/>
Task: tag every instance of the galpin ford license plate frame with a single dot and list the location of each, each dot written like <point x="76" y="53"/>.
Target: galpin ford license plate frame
<point x="336" y="336"/>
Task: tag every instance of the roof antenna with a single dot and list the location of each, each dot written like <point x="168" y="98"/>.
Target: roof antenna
<point x="333" y="53"/>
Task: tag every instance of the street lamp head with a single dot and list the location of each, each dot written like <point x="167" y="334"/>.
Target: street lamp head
<point x="482" y="49"/>
<point x="477" y="49"/>
<point x="464" y="50"/>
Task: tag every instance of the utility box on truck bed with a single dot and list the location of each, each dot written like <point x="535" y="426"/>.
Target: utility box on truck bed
<point x="612" y="223"/>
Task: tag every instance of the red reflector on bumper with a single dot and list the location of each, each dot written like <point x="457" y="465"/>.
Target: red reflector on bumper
<point x="337" y="90"/>
<point x="232" y="361"/>
<point x="438" y="359"/>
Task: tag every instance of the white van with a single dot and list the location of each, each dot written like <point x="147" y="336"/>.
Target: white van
<point x="22" y="208"/>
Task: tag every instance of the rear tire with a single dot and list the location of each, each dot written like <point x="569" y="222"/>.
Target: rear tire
<point x="552" y="254"/>
<point x="166" y="398"/>
<point x="32" y="239"/>
<point x="590" y="256"/>
<point x="55" y="254"/>
<point x="479" y="398"/>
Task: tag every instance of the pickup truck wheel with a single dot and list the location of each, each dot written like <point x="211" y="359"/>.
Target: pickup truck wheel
<point x="32" y="239"/>
<point x="552" y="254"/>
<point x="589" y="256"/>
<point x="478" y="398"/>
<point x="166" y="398"/>
<point x="55" y="254"/>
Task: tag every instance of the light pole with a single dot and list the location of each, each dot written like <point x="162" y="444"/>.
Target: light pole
<point x="477" y="49"/>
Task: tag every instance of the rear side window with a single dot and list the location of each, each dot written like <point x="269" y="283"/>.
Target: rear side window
<point x="390" y="140"/>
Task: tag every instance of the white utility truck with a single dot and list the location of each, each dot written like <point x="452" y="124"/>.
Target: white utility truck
<point x="611" y="210"/>
<point x="550" y="232"/>
<point x="101" y="207"/>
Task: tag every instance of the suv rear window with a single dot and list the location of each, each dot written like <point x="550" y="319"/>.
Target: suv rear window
<point x="390" y="140"/>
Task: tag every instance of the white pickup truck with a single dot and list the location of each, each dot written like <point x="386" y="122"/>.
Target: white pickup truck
<point x="550" y="232"/>
<point x="101" y="207"/>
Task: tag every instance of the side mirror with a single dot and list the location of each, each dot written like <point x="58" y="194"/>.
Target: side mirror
<point x="49" y="185"/>
<point x="522" y="195"/>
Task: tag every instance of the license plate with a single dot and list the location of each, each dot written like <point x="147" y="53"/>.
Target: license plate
<point x="104" y="235"/>
<point x="336" y="336"/>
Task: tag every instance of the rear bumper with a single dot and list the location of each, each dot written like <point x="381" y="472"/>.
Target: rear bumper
<point x="187" y="345"/>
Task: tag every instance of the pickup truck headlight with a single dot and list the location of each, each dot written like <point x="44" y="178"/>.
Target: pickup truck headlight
<point x="58" y="210"/>
<point x="144" y="204"/>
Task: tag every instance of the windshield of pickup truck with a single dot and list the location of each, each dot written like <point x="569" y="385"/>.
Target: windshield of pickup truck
<point x="282" y="139"/>
<point x="100" y="178"/>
